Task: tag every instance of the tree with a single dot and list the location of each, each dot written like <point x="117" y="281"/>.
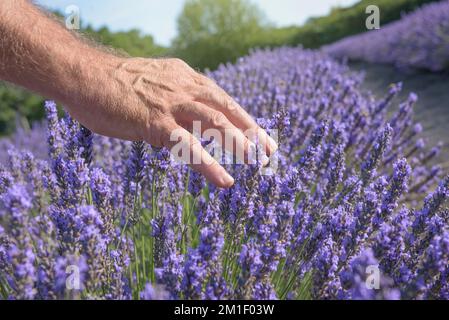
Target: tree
<point x="132" y="42"/>
<point x="215" y="31"/>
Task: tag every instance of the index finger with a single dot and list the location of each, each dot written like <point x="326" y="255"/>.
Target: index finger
<point x="196" y="157"/>
<point x="217" y="98"/>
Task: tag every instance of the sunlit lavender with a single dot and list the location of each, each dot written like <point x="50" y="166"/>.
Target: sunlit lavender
<point x="419" y="40"/>
<point x="354" y="191"/>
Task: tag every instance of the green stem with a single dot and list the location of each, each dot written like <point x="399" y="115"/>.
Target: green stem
<point x="144" y="269"/>
<point x="153" y="215"/>
<point x="136" y="258"/>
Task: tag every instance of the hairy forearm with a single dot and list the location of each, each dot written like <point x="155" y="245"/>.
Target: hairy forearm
<point x="38" y="53"/>
<point x="127" y="98"/>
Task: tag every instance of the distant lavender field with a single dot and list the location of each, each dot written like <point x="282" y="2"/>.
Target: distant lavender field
<point x="419" y="40"/>
<point x="432" y="107"/>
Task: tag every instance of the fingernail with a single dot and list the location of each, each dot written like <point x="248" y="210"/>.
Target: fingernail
<point x="227" y="180"/>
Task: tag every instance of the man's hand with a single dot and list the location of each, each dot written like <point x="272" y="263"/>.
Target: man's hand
<point x="149" y="99"/>
<point x="127" y="98"/>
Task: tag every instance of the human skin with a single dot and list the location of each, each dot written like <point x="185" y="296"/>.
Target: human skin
<point x="134" y="99"/>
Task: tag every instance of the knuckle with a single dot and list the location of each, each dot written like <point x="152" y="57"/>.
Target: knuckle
<point x="158" y="132"/>
<point x="207" y="81"/>
<point x="179" y="62"/>
<point x="218" y="119"/>
<point x="182" y="109"/>
<point x="160" y="109"/>
<point x="212" y="163"/>
<point x="206" y="95"/>
<point x="227" y="102"/>
<point x="230" y="105"/>
<point x="200" y="81"/>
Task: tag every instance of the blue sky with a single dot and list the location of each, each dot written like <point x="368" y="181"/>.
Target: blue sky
<point x="158" y="17"/>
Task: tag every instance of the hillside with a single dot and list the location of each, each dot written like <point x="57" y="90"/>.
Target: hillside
<point x="343" y="22"/>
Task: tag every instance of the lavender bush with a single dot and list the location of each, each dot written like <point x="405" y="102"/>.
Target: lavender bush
<point x="353" y="191"/>
<point x="419" y="40"/>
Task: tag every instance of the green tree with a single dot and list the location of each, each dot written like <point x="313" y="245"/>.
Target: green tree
<point x="214" y="31"/>
<point x="17" y="104"/>
<point x="131" y="42"/>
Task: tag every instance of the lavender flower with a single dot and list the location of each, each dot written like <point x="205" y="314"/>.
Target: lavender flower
<point x="365" y="284"/>
<point x="381" y="143"/>
<point x="153" y="293"/>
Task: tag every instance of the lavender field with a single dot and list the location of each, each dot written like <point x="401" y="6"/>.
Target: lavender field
<point x="356" y="188"/>
<point x="432" y="107"/>
<point x="419" y="40"/>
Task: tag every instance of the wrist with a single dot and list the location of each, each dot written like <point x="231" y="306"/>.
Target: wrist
<point x="99" y="94"/>
<point x="86" y="77"/>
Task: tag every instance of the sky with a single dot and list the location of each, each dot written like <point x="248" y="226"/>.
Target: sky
<point x="158" y="17"/>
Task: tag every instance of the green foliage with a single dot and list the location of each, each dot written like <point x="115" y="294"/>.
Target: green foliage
<point x="214" y="31"/>
<point x="17" y="104"/>
<point x="131" y="42"/>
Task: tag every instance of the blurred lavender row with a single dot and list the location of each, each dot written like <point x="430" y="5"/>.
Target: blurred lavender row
<point x="419" y="40"/>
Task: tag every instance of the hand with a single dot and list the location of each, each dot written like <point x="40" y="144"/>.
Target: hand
<point x="133" y="99"/>
<point x="149" y="99"/>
